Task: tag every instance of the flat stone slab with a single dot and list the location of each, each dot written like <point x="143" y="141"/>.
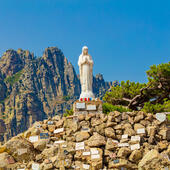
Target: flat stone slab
<point x="33" y="139"/>
<point x="135" y="147"/>
<point x="94" y="151"/>
<point x="86" y="166"/>
<point x="97" y="156"/>
<point x="22" y="151"/>
<point x="59" y="130"/>
<point x="123" y="144"/>
<point x="35" y="166"/>
<point x="135" y="138"/>
<point x="125" y="136"/>
<point x="141" y="131"/>
<point x="91" y="107"/>
<point x="79" y="146"/>
<point x="80" y="105"/>
<point x="86" y="153"/>
<point x="161" y="117"/>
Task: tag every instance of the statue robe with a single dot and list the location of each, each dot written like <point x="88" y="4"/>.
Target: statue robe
<point x="86" y="75"/>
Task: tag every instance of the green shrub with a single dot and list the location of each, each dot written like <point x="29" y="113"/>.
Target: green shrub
<point x="2" y="101"/>
<point x="66" y="98"/>
<point x="14" y="78"/>
<point x="155" y="108"/>
<point x="68" y="113"/>
<point x="168" y="117"/>
<point x="107" y="108"/>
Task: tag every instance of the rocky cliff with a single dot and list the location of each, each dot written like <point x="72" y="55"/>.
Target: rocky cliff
<point x="126" y="141"/>
<point x="32" y="89"/>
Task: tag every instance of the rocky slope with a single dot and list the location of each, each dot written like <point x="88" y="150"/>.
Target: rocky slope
<point x="33" y="89"/>
<point x="126" y="141"/>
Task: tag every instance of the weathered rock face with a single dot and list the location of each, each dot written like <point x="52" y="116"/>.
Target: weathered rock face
<point x="75" y="143"/>
<point x="100" y="86"/>
<point x="32" y="89"/>
<point x="3" y="88"/>
<point x="11" y="63"/>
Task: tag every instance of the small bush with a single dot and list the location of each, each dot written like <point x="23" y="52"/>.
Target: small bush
<point x="14" y="78"/>
<point x="155" y="108"/>
<point x="68" y="113"/>
<point x="168" y="117"/>
<point x="107" y="108"/>
<point x="66" y="98"/>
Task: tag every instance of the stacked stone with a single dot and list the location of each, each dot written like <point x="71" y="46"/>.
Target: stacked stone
<point x="131" y="140"/>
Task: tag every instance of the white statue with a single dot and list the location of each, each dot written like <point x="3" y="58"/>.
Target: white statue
<point x="86" y="73"/>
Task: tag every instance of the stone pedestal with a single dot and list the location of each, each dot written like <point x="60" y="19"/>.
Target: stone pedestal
<point x="85" y="107"/>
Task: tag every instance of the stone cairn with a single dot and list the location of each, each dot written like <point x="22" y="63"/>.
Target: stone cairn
<point x="117" y="141"/>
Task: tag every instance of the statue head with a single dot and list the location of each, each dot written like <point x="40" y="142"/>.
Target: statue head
<point x="85" y="50"/>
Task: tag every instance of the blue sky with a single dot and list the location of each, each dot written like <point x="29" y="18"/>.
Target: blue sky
<point x="124" y="37"/>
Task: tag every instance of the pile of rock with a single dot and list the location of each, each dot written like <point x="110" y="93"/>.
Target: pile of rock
<point x="131" y="140"/>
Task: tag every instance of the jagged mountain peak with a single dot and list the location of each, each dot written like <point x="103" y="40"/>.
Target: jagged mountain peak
<point x="53" y="52"/>
<point x="10" y="63"/>
<point x="13" y="61"/>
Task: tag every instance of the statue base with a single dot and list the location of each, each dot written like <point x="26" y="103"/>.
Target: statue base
<point x="87" y="95"/>
<point x="85" y="107"/>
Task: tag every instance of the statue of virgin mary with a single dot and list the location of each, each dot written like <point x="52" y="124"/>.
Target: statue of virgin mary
<point x="86" y="73"/>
